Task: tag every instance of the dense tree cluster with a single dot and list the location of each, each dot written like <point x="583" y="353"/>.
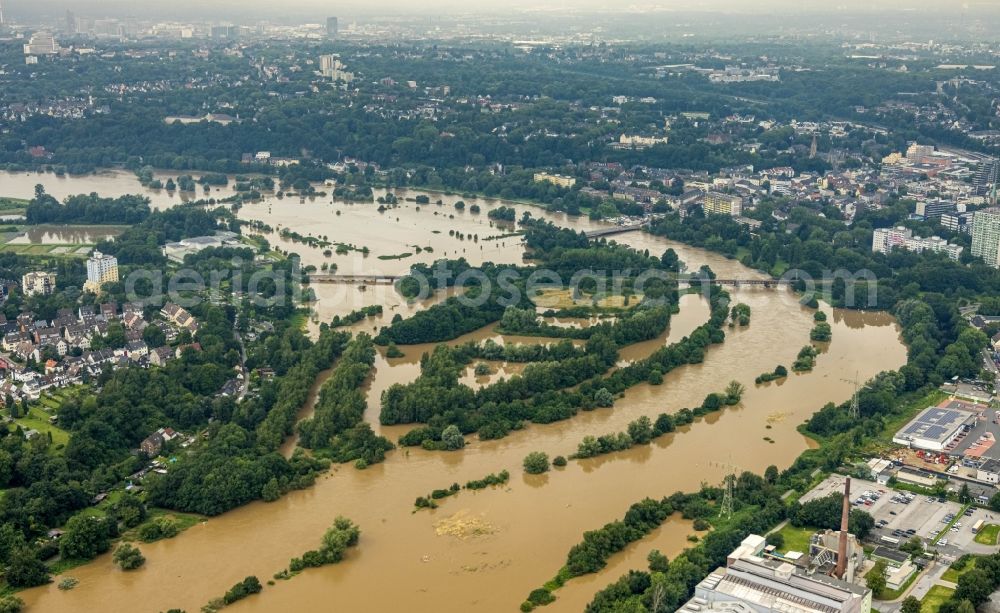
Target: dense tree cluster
<point x="337" y="428"/>
<point x="89" y="209"/>
<point x="826" y="512"/>
<point x="336" y="540"/>
<point x="240" y="458"/>
<point x="974" y="586"/>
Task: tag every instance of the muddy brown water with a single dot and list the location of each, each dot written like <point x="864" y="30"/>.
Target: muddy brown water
<point x="486" y="550"/>
<point x="65" y="235"/>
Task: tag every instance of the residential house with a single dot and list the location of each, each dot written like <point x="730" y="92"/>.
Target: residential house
<point x="160" y="356"/>
<point x="136" y="349"/>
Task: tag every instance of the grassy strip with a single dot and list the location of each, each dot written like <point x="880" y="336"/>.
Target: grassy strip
<point x="955" y="519"/>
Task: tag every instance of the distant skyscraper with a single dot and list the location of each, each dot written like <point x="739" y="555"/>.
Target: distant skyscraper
<point x="1" y="13"/>
<point x="331" y="27"/>
<point x="41" y="43"/>
<point x="70" y="22"/>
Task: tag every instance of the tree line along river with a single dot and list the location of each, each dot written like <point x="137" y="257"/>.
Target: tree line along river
<point x="485" y="550"/>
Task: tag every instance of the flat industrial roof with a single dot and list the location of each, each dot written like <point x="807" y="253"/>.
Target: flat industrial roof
<point x="963" y="405"/>
<point x="935" y="424"/>
<point x="890" y="554"/>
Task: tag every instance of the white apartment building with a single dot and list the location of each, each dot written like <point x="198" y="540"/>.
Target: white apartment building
<point x="38" y="283"/>
<point x="101" y="269"/>
<point x="986" y="236"/>
<point x="884" y="240"/>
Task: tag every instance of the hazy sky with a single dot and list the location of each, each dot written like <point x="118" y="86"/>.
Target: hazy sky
<point x="298" y="10"/>
<point x="423" y="6"/>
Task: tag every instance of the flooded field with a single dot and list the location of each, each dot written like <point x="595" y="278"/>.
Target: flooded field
<point x="107" y="183"/>
<point x="486" y="550"/>
<point x="65" y="235"/>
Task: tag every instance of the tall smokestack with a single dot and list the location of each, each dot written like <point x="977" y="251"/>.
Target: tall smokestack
<point x="841" y="568"/>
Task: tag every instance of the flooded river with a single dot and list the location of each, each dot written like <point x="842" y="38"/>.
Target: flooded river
<point x="486" y="550"/>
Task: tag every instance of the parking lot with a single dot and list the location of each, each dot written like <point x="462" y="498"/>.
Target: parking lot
<point x="899" y="515"/>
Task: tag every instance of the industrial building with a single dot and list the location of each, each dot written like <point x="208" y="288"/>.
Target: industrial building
<point x="177" y="251"/>
<point x="756" y="581"/>
<point x="750" y="582"/>
<point x="936" y="429"/>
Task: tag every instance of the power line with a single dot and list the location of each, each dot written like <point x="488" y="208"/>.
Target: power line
<point x="728" y="487"/>
<point x="855" y="409"/>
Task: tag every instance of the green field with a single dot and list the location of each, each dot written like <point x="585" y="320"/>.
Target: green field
<point x="952" y="574"/>
<point x="988" y="534"/>
<point x="37" y="419"/>
<point x="796" y="539"/>
<point x="57" y="251"/>
<point x="935" y="598"/>
<point x="12" y="206"/>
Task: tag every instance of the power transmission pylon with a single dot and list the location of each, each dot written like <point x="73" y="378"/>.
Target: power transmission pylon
<point x="855" y="410"/>
<point x="726" y="508"/>
<point x="728" y="485"/>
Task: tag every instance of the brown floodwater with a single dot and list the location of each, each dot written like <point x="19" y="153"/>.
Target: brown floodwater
<point x="106" y="183"/>
<point x="65" y="235"/>
<point x="486" y="550"/>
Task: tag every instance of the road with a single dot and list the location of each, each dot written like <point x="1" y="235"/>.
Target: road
<point x="245" y="384"/>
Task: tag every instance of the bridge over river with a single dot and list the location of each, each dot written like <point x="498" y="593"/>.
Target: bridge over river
<point x="683" y="281"/>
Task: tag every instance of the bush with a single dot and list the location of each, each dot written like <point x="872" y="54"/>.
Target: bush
<point x="488" y="480"/>
<point x="541" y="596"/>
<point x="250" y="585"/>
<point x="776" y="539"/>
<point x="701" y="525"/>
<point x="159" y="528"/>
<point x="559" y="461"/>
<point x="11" y="604"/>
<point x="536" y="463"/>
<point x="128" y="557"/>
<point x="604" y="398"/>
<point x="452" y="439"/>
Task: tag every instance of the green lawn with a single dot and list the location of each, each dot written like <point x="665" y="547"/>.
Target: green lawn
<point x="183" y="521"/>
<point x="38" y="419"/>
<point x="987" y="535"/>
<point x="796" y="539"/>
<point x="70" y="251"/>
<point x="13" y="206"/>
<point x="935" y="598"/>
<point x="299" y="320"/>
<point x="952" y="574"/>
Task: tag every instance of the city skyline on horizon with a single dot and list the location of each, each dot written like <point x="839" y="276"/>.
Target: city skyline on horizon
<point x="313" y="10"/>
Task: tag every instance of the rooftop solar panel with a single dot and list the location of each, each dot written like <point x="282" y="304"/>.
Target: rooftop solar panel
<point x="935" y="423"/>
